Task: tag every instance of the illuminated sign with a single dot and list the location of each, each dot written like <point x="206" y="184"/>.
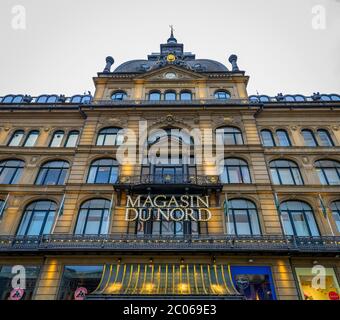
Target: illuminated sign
<point x="169" y="208"/>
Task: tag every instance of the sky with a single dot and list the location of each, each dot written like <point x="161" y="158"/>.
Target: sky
<point x="58" y="46"/>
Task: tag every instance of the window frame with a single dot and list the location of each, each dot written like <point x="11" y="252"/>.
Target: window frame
<point x="278" y="168"/>
<point x="312" y="134"/>
<point x="236" y="134"/>
<point x="240" y="171"/>
<point x="94" y="165"/>
<point x="44" y="171"/>
<point x="119" y="92"/>
<point x="19" y="144"/>
<point x="105" y="134"/>
<point x="221" y="92"/>
<point x="18" y="170"/>
<point x="271" y="136"/>
<point x="37" y="133"/>
<point x="321" y="169"/>
<point x="72" y="132"/>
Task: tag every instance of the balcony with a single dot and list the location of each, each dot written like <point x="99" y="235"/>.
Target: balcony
<point x="275" y="245"/>
<point x="169" y="182"/>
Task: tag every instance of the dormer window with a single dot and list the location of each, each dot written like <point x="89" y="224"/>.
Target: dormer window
<point x="222" y="95"/>
<point x="119" y="96"/>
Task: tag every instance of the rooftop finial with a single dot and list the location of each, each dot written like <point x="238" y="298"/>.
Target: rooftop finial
<point x="172" y="38"/>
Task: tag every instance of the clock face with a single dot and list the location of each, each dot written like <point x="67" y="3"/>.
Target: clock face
<point x="170" y="75"/>
<point x="171" y="57"/>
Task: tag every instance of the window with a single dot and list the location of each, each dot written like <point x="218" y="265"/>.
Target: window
<point x="72" y="139"/>
<point x="242" y="219"/>
<point x="230" y="135"/>
<point x="38" y="219"/>
<point x="222" y="95"/>
<point x="57" y="139"/>
<point x="170" y="135"/>
<point x="186" y="96"/>
<point x="283" y="138"/>
<point x="2" y="203"/>
<point x="235" y="171"/>
<point x="53" y="173"/>
<point x="267" y="138"/>
<point x="325" y="139"/>
<point x="93" y="218"/>
<point x="6" y="282"/>
<point x="10" y="171"/>
<point x="13" y="99"/>
<point x="154" y="96"/>
<point x="110" y="137"/>
<point x="170" y="96"/>
<point x="76" y="277"/>
<point x="328" y="171"/>
<point x="31" y="138"/>
<point x="335" y="207"/>
<point x="16" y="138"/>
<point x="119" y="96"/>
<point x="103" y="171"/>
<point x="298" y="219"/>
<point x="309" y="138"/>
<point x="285" y="172"/>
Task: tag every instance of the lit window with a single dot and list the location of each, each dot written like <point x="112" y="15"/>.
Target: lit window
<point x="38" y="219"/>
<point x="298" y="219"/>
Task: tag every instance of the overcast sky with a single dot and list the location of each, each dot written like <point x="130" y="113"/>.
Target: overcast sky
<point x="281" y="44"/>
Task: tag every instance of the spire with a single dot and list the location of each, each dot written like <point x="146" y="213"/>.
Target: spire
<point x="172" y="38"/>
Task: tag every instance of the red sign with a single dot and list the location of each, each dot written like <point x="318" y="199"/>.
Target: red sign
<point x="80" y="293"/>
<point x="333" y="295"/>
<point x="16" y="294"/>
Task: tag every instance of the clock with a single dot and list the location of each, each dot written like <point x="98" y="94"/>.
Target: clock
<point x="171" y="57"/>
<point x="170" y="75"/>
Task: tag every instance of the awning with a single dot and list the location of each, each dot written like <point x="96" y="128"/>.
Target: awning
<point x="165" y="280"/>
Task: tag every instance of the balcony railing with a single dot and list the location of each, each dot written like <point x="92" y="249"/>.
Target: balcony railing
<point x="134" y="243"/>
<point x="169" y="179"/>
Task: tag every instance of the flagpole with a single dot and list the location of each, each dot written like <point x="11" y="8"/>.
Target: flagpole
<point x="325" y="213"/>
<point x="4" y="207"/>
<point x="59" y="213"/>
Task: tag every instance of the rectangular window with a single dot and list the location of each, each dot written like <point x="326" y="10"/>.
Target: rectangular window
<point x="6" y="276"/>
<point x="318" y="290"/>
<point x="78" y="281"/>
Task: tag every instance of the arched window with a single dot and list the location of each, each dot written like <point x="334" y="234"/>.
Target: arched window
<point x="103" y="171"/>
<point x="17" y="138"/>
<point x="325" y="138"/>
<point x="222" y="95"/>
<point x="186" y="96"/>
<point x="176" y="135"/>
<point x="235" y="171"/>
<point x="93" y="218"/>
<point x="53" y="173"/>
<point x="38" y="219"/>
<point x="283" y="138"/>
<point x="119" y="96"/>
<point x="72" y="139"/>
<point x="154" y="96"/>
<point x="267" y="138"/>
<point x="298" y="219"/>
<point x="335" y="207"/>
<point x="328" y="171"/>
<point x="57" y="139"/>
<point x="170" y="96"/>
<point x="110" y="137"/>
<point x="31" y="138"/>
<point x="309" y="138"/>
<point x="13" y="99"/>
<point x="285" y="172"/>
<point x="242" y="218"/>
<point x="230" y="135"/>
<point x="10" y="171"/>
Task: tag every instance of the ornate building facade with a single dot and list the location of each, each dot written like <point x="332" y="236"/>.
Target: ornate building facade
<point x="258" y="219"/>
